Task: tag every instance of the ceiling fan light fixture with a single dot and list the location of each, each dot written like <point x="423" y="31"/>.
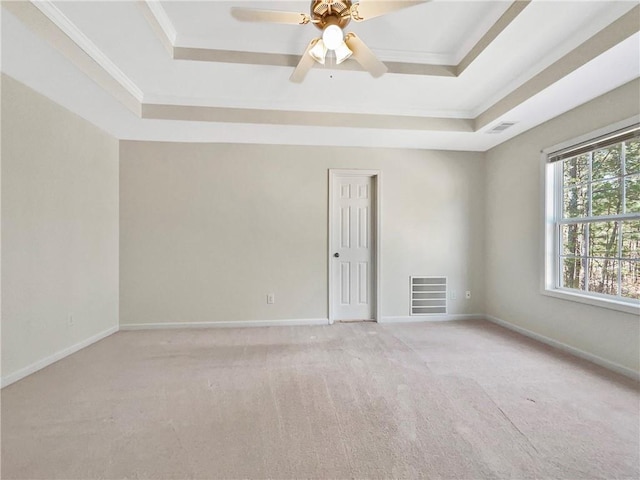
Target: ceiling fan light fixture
<point x="333" y="37"/>
<point x="319" y="52"/>
<point x="342" y="53"/>
<point x="331" y="17"/>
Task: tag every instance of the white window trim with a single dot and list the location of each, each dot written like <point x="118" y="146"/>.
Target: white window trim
<point x="549" y="241"/>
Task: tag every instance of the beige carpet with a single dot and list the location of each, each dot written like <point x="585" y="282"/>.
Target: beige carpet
<point x="442" y="400"/>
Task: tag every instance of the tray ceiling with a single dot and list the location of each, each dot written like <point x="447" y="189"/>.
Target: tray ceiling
<point x="188" y="71"/>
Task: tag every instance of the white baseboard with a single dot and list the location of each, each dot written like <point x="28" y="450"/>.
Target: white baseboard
<point x="433" y="318"/>
<point x="627" y="372"/>
<point x="34" y="367"/>
<point x="238" y="324"/>
<point x="45" y="362"/>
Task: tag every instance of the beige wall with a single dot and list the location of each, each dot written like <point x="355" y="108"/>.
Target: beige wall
<point x="513" y="238"/>
<point x="59" y="229"/>
<point x="208" y="230"/>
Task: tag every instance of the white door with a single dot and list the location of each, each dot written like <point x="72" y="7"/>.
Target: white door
<point x="352" y="247"/>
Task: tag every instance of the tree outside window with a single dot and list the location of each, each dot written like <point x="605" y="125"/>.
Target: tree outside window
<point x="599" y="220"/>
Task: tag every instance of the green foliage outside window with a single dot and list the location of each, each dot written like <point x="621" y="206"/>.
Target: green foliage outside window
<point x="602" y="256"/>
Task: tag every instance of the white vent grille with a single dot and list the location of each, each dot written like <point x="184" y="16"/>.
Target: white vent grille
<point x="428" y="295"/>
<point x="501" y="127"/>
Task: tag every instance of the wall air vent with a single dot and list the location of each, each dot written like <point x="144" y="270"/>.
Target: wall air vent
<point x="428" y="295"/>
<point x="501" y="127"/>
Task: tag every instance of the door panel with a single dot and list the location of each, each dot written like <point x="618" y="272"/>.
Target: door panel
<point x="345" y="227"/>
<point x="363" y="227"/>
<point x="345" y="283"/>
<point x="363" y="283"/>
<point x="352" y="232"/>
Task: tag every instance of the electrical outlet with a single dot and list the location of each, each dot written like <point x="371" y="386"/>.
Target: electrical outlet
<point x="467" y="295"/>
<point x="271" y="299"/>
<point x="453" y="295"/>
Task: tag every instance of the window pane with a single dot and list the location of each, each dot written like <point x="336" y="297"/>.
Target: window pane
<point x="576" y="170"/>
<point x="603" y="276"/>
<point x="575" y="202"/>
<point x="603" y="239"/>
<point x="632" y="184"/>
<point x="606" y="198"/>
<point x="630" y="279"/>
<point x="573" y="273"/>
<point x="600" y="253"/>
<point x="631" y="239"/>
<point x="632" y="156"/>
<point x="573" y="237"/>
<point x="606" y="163"/>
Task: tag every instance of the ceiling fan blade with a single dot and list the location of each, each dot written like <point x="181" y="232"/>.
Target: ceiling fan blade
<point x="271" y="16"/>
<point x="366" y="9"/>
<point x="305" y="64"/>
<point x="364" y="56"/>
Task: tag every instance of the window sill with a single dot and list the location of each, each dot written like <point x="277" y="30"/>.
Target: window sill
<point x="632" y="306"/>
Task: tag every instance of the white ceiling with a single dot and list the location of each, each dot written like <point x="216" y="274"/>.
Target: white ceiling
<point x="118" y="34"/>
<point x="425" y="33"/>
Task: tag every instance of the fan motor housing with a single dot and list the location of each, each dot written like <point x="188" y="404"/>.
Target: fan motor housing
<point x="331" y="12"/>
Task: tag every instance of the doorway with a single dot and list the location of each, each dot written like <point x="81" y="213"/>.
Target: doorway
<point x="354" y="245"/>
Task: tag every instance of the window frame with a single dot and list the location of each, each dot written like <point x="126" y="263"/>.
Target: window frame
<point x="552" y="194"/>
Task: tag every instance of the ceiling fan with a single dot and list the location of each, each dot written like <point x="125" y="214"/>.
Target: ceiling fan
<point x="331" y="17"/>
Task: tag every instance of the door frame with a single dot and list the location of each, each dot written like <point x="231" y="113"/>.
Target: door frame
<point x="376" y="176"/>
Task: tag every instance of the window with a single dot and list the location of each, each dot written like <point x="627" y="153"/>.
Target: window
<point x="593" y="219"/>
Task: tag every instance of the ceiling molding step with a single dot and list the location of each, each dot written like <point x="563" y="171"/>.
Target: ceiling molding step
<point x="70" y="30"/>
<point x="299" y="118"/>
<point x="595" y="46"/>
<point x="291" y="60"/>
<point x="382" y="53"/>
<point x="157" y="17"/>
<point x="65" y="39"/>
<point x="163" y="29"/>
<point x="423" y="58"/>
<point x="225" y="101"/>
<point x="421" y="69"/>
<point x="161" y="16"/>
<point x="235" y="56"/>
<point x="503" y="22"/>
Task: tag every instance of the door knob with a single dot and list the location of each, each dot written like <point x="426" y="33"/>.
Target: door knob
<point x="336" y="255"/>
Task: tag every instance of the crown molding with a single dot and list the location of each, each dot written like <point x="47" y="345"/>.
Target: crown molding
<point x="410" y="63"/>
<point x="388" y="55"/>
<point x="67" y="42"/>
<point x="301" y="118"/>
<point x="170" y="33"/>
<point x="163" y="20"/>
<point x="74" y="33"/>
<point x="291" y="60"/>
<point x="44" y="19"/>
<point x="615" y="33"/>
<point x="241" y="103"/>
<point x="385" y="55"/>
<point x="575" y="42"/>
<point x="496" y="29"/>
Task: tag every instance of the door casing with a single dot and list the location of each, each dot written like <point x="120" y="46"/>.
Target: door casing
<point x="376" y="176"/>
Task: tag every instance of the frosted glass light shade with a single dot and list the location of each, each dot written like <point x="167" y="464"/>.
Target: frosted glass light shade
<point x="332" y="37"/>
<point x="342" y="53"/>
<point x="319" y="52"/>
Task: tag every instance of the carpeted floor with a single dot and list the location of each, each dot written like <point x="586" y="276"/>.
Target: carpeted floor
<point x="461" y="399"/>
